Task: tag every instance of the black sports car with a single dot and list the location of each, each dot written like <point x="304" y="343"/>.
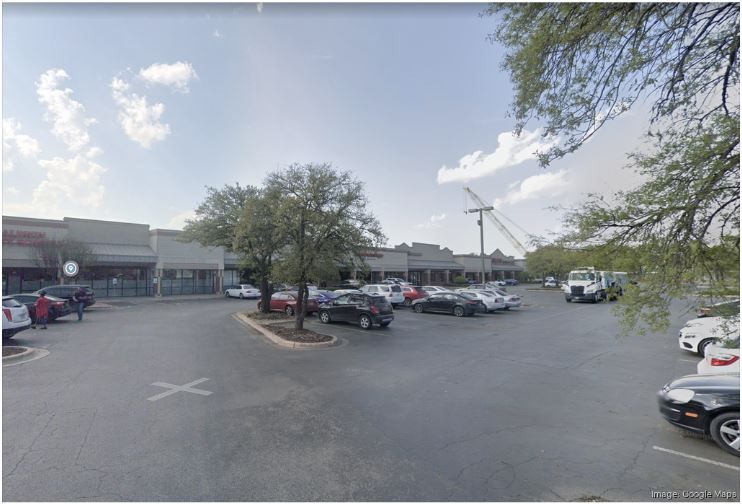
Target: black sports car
<point x="447" y="302"/>
<point x="58" y="307"/>
<point x="704" y="404"/>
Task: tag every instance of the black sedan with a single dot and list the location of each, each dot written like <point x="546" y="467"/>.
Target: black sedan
<point x="363" y="309"/>
<point x="706" y="405"/>
<point x="58" y="307"/>
<point x="446" y="302"/>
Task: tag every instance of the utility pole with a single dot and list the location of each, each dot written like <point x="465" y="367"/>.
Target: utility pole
<point x="481" y="232"/>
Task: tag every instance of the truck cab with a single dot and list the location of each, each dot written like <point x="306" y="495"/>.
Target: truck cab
<point x="586" y="284"/>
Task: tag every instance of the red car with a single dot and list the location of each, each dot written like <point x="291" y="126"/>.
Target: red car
<point x="286" y="302"/>
<point x="412" y="293"/>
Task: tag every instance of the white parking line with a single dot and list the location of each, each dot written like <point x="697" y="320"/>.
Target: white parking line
<point x="700" y="459"/>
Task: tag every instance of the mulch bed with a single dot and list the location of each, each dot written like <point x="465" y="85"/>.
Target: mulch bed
<point x="282" y="325"/>
<point x="11" y="350"/>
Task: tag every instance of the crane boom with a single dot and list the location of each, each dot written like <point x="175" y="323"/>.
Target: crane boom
<point x="499" y="225"/>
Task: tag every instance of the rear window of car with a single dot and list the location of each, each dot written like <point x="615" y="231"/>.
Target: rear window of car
<point x="396" y="288"/>
<point x="11" y="303"/>
<point x="378" y="300"/>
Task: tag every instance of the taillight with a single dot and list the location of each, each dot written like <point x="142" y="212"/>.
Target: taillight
<point x="472" y="302"/>
<point x="724" y="359"/>
<point x="374" y="310"/>
<point x="8" y="314"/>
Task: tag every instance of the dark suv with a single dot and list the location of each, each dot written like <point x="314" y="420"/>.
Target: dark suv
<point x="68" y="291"/>
<point x="364" y="309"/>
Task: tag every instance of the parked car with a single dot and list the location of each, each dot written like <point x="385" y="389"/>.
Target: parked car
<point x="411" y="293"/>
<point x="364" y="309"/>
<point x="349" y="284"/>
<point x="324" y="296"/>
<point x="430" y="289"/>
<point x="447" y="302"/>
<point x="58" y="307"/>
<point x="511" y="300"/>
<point x="393" y="292"/>
<point x="724" y="308"/>
<point x="698" y="333"/>
<point x="491" y="301"/>
<point x="340" y="292"/>
<point x="286" y="302"/>
<point x="485" y="303"/>
<point x="15" y="317"/>
<point x="511" y="281"/>
<point x="722" y="357"/>
<point x="394" y="280"/>
<point x="706" y="405"/>
<point x="67" y="292"/>
<point x="551" y="283"/>
<point x="244" y="291"/>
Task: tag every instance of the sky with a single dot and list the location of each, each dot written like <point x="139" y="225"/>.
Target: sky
<point x="125" y="112"/>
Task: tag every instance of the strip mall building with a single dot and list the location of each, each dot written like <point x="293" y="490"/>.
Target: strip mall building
<point x="134" y="260"/>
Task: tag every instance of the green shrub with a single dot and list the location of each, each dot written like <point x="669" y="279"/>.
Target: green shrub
<point x="460" y="280"/>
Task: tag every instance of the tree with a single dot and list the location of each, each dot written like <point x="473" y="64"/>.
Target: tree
<point x="50" y="255"/>
<point x="217" y="216"/>
<point x="257" y="239"/>
<point x="323" y="218"/>
<point x="577" y="66"/>
<point x="552" y="259"/>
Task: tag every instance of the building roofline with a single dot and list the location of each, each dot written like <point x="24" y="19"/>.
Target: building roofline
<point x="78" y="219"/>
<point x="31" y="221"/>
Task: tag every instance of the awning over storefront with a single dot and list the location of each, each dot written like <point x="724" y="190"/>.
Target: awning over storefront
<point x="123" y="254"/>
<point x="506" y="267"/>
<point x="418" y="264"/>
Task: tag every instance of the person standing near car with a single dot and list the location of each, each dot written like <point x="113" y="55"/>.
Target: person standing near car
<point x="42" y="310"/>
<point x="79" y="297"/>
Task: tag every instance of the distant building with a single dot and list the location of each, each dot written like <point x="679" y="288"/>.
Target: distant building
<point x="134" y="260"/>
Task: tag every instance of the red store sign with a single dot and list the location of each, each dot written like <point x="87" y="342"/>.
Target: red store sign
<point x="16" y="237"/>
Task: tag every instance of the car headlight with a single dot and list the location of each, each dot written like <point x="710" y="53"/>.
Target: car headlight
<point x="681" y="395"/>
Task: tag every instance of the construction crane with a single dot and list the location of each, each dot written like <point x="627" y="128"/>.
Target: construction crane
<point x="499" y="225"/>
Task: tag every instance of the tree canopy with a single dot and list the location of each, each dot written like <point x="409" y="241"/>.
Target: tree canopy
<point x="577" y="66"/>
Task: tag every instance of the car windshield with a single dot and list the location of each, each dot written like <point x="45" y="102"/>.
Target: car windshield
<point x="468" y="296"/>
<point x="578" y="276"/>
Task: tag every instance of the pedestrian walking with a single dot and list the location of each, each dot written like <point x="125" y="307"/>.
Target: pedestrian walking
<point x="79" y="297"/>
<point x="42" y="310"/>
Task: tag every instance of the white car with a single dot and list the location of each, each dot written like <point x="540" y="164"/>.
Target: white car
<point x="15" y="317"/>
<point x="245" y="291"/>
<point x="721" y="358"/>
<point x="491" y="301"/>
<point x="511" y="300"/>
<point x="497" y="283"/>
<point x="392" y="292"/>
<point x="340" y="292"/>
<point x="551" y="283"/>
<point x="698" y="333"/>
<point x="430" y="289"/>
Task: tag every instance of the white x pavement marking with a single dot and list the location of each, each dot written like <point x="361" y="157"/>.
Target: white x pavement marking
<point x="179" y="388"/>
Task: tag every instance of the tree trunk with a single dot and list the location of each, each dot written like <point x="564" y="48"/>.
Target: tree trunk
<point x="265" y="293"/>
<point x="301" y="305"/>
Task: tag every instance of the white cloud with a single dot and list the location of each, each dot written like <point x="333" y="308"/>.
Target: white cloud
<point x="542" y="186"/>
<point x="259" y="6"/>
<point x="177" y="75"/>
<point x="433" y="222"/>
<point x="67" y="115"/>
<point x="141" y="122"/>
<point x="71" y="186"/>
<point x="511" y="150"/>
<point x="16" y="143"/>
<point x="217" y="34"/>
<point x="178" y="221"/>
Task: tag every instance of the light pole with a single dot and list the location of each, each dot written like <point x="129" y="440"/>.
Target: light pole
<point x="481" y="232"/>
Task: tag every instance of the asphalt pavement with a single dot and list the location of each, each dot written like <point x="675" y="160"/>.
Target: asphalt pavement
<point x="177" y="400"/>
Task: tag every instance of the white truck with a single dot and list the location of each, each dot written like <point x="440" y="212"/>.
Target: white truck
<point x="587" y="284"/>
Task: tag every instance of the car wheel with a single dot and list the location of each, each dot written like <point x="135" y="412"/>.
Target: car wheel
<point x="407" y="302"/>
<point x="458" y="311"/>
<point x="226" y="294"/>
<point x="241" y="296"/>
<point x="289" y="311"/>
<point x="419" y="308"/>
<point x="568" y="299"/>
<point x="324" y="317"/>
<point x="506" y="308"/>
<point x="365" y="322"/>
<point x="7" y="334"/>
<point x="701" y="349"/>
<point x="725" y="431"/>
<point x="594" y="299"/>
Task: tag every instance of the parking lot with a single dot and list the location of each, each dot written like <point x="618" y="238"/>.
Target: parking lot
<point x="544" y="402"/>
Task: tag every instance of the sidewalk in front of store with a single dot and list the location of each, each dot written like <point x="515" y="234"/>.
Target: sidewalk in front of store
<point x="108" y="302"/>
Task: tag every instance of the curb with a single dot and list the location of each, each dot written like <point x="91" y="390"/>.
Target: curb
<point x="26" y="356"/>
<point x="274" y="338"/>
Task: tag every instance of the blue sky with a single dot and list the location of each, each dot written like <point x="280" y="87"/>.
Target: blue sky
<point x="165" y="99"/>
